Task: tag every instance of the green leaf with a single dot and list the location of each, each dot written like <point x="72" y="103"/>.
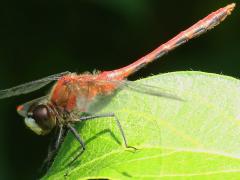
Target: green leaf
<point x="196" y="138"/>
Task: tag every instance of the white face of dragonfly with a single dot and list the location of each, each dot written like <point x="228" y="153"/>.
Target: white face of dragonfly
<point x="31" y="123"/>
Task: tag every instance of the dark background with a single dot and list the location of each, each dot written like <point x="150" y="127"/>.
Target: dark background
<point x="40" y="38"/>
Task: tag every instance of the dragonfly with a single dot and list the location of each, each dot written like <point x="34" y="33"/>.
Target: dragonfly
<point x="72" y="96"/>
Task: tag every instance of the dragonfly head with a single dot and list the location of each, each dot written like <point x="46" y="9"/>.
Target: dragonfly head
<point x="38" y="117"/>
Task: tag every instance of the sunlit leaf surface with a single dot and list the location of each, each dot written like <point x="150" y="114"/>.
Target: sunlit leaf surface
<point x="196" y="138"/>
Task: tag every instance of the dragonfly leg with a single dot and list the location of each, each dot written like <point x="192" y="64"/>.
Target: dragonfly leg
<point x="52" y="149"/>
<point x="93" y="117"/>
<point x="77" y="135"/>
<point x="80" y="140"/>
<point x="59" y="138"/>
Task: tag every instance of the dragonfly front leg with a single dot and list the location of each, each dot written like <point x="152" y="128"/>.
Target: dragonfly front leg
<point x="52" y="149"/>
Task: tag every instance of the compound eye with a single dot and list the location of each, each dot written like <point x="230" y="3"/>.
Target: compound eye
<point x="42" y="117"/>
<point x="40" y="114"/>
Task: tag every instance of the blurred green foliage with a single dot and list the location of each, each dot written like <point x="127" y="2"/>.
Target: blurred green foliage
<point x="39" y="38"/>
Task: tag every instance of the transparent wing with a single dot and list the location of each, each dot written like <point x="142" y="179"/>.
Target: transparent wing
<point x="92" y="93"/>
<point x="109" y="85"/>
<point x="30" y="86"/>
<point x="150" y="90"/>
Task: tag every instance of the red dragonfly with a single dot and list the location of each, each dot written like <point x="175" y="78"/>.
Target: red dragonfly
<point x="74" y="95"/>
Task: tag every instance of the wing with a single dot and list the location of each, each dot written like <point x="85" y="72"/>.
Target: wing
<point x="150" y="90"/>
<point x="106" y="87"/>
<point x="30" y="86"/>
<point x="89" y="94"/>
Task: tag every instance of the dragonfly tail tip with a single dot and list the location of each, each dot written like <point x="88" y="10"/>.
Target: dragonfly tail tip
<point x="230" y="8"/>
